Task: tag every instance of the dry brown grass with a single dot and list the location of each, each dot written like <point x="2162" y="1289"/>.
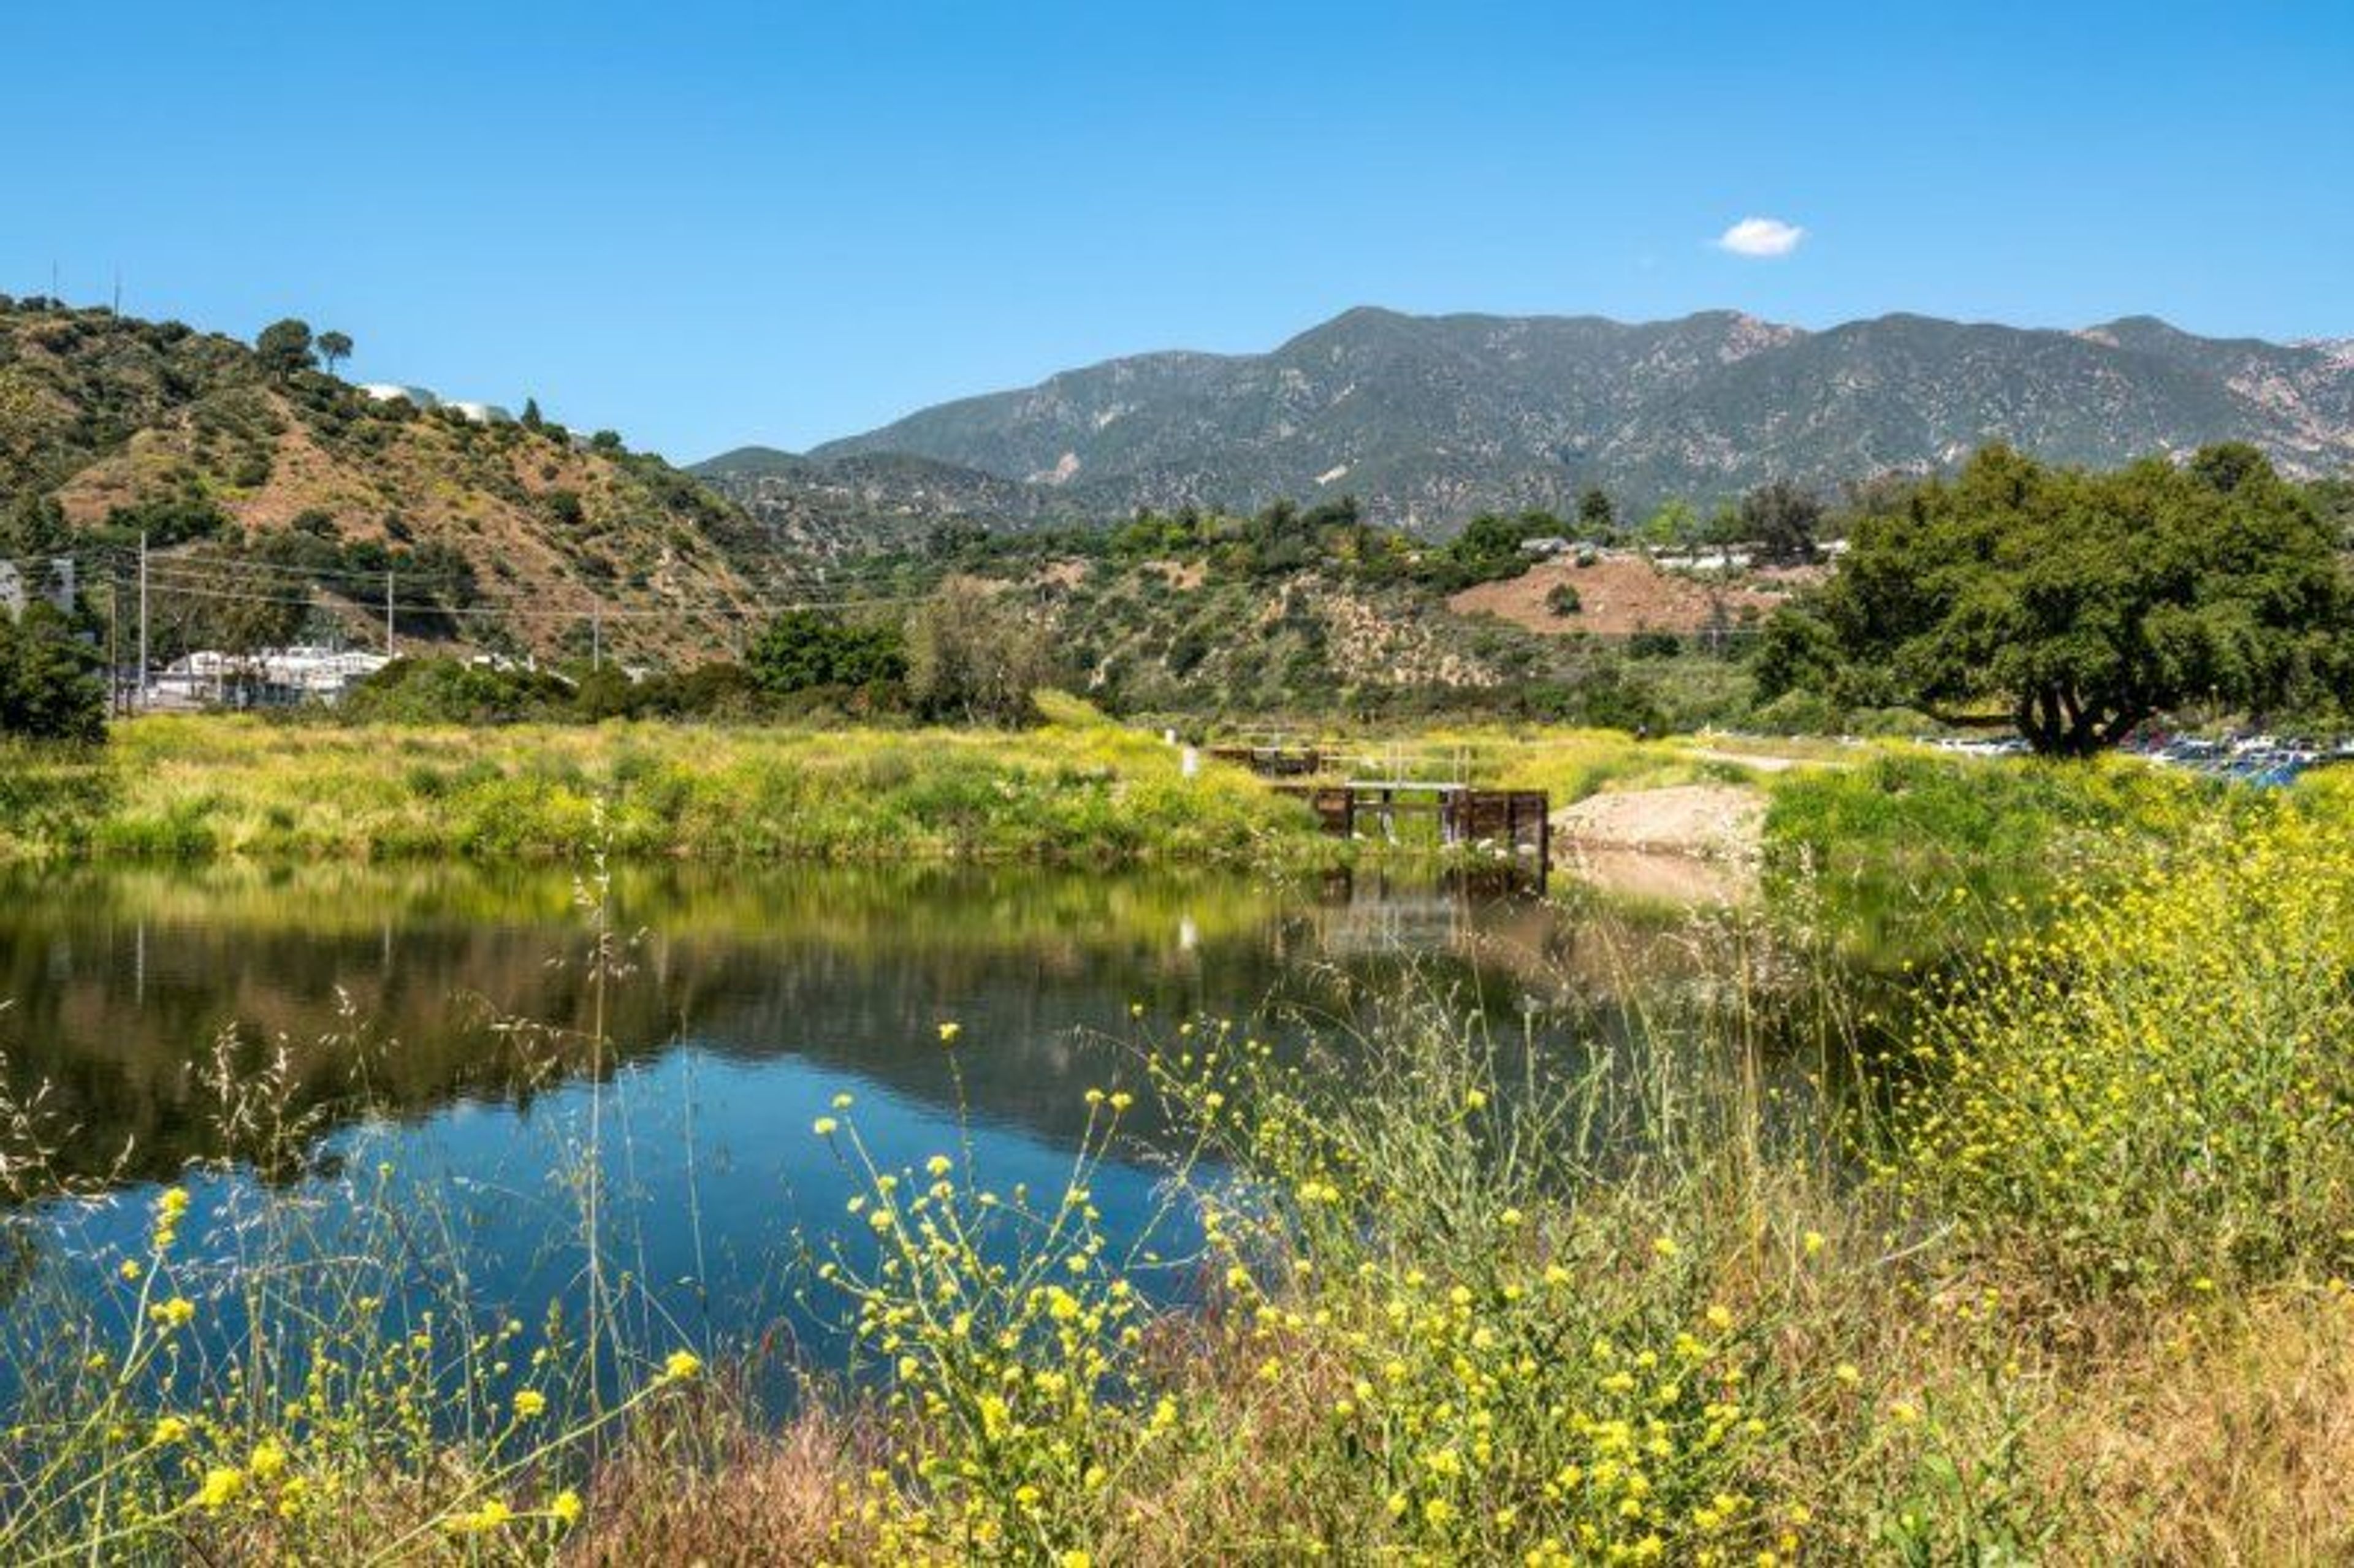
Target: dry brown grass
<point x="753" y="1497"/>
<point x="2230" y="1440"/>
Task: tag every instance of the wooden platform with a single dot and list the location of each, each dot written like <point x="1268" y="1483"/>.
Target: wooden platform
<point x="1520" y="819"/>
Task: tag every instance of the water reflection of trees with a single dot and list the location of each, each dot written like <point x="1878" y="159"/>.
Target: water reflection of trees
<point x="387" y="988"/>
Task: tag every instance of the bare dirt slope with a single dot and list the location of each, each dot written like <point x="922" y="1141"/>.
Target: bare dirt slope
<point x="1617" y="595"/>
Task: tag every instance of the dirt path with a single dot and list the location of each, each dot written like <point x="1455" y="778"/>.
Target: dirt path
<point x="1766" y="762"/>
<point x="1707" y="821"/>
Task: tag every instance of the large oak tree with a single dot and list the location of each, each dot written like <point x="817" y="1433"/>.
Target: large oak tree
<point x="2088" y="602"/>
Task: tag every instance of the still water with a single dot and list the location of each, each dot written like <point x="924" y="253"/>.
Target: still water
<point x="438" y="1031"/>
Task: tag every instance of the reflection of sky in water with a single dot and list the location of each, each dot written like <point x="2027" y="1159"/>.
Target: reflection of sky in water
<point x="754" y="1002"/>
<point x="717" y="1187"/>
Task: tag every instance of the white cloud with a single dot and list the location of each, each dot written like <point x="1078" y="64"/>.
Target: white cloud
<point x="1761" y="237"/>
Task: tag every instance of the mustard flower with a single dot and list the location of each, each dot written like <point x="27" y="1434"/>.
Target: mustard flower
<point x="223" y="1486"/>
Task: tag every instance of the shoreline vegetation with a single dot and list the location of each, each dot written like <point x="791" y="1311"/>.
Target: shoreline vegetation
<point x="2064" y="1277"/>
<point x="1077" y="789"/>
<point x="202" y="789"/>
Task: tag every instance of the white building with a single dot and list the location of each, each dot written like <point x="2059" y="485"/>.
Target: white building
<point x="391" y="392"/>
<point x="274" y="677"/>
<point x="480" y="413"/>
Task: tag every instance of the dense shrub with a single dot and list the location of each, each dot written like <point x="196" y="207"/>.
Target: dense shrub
<point x="48" y="688"/>
<point x="451" y="691"/>
<point x="805" y="647"/>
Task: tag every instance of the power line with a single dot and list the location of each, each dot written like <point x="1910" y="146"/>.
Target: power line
<point x="240" y="572"/>
<point x="428" y="608"/>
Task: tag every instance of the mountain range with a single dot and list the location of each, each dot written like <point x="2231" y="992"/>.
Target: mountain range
<point x="1428" y="420"/>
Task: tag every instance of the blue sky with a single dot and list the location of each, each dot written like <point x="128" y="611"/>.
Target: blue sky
<point x="707" y="224"/>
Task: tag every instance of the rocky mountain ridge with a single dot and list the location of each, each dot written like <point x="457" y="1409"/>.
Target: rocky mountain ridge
<point x="1428" y="420"/>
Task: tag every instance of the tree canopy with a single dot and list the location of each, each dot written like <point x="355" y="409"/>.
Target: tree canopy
<point x="284" y="347"/>
<point x="803" y="649"/>
<point x="974" y="659"/>
<point x="46" y="689"/>
<point x="2084" y="602"/>
<point x="1783" y="520"/>
<point x="1597" y="518"/>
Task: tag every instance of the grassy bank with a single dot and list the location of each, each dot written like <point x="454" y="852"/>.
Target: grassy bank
<point x="221" y="787"/>
<point x="2071" y="1289"/>
<point x="1907" y="855"/>
<point x="216" y="788"/>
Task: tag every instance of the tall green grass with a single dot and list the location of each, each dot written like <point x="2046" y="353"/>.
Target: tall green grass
<point x="1906" y="856"/>
<point x="218" y="787"/>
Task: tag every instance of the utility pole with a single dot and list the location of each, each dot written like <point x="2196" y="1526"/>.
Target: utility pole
<point x="387" y="612"/>
<point x="114" y="638"/>
<point x="139" y="699"/>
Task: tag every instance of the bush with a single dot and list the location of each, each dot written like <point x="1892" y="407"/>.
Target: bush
<point x="165" y="520"/>
<point x="1563" y="600"/>
<point x="722" y="689"/>
<point x="450" y="691"/>
<point x="973" y="660"/>
<point x="802" y="649"/>
<point x="48" y="691"/>
<point x="1799" y="712"/>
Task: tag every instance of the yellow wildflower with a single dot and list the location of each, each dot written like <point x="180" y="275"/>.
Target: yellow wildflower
<point x="223" y="1484"/>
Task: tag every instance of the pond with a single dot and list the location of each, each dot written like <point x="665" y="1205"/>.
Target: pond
<point x="450" y="1037"/>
